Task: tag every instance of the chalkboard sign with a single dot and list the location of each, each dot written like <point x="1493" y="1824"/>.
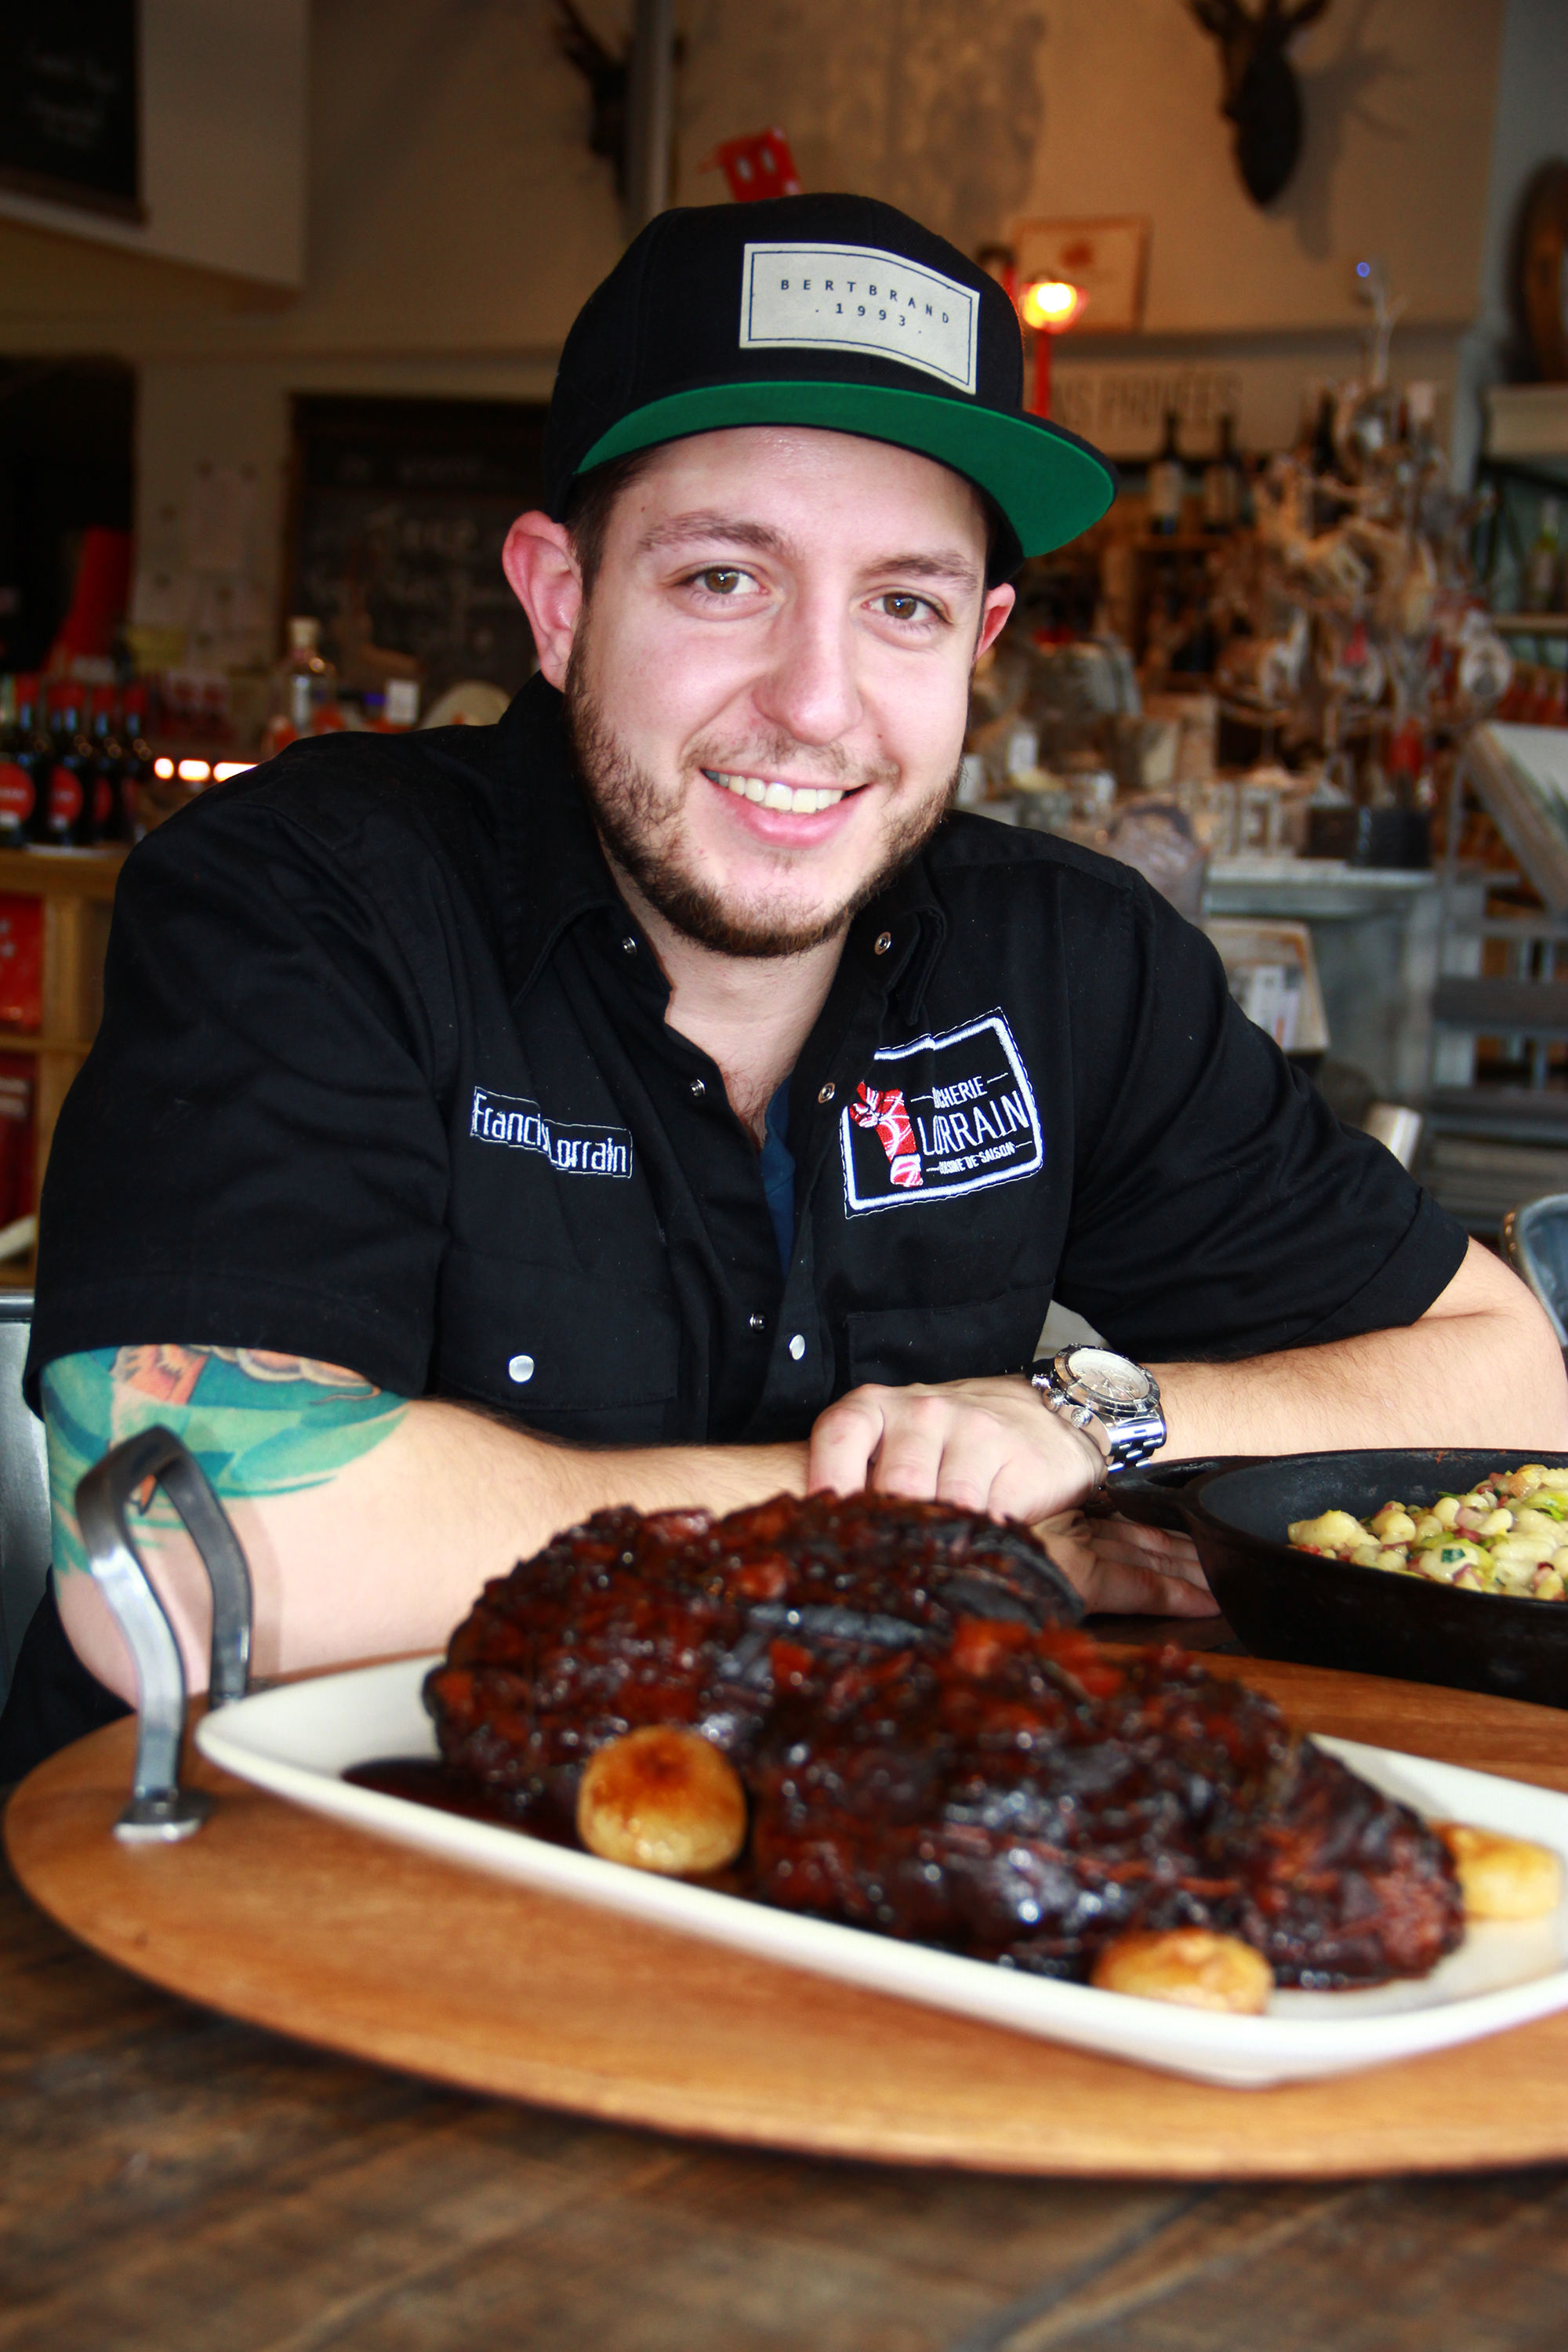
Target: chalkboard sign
<point x="400" y="512"/>
<point x="70" y="118"/>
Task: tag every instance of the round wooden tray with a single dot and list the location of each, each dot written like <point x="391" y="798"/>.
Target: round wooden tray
<point x="292" y="1922"/>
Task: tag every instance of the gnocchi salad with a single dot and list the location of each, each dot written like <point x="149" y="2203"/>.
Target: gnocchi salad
<point x="1509" y="1534"/>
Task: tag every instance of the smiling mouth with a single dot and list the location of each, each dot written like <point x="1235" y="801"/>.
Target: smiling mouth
<point x="796" y="799"/>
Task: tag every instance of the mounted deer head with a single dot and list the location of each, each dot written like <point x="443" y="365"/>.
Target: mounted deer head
<point x="1261" y="97"/>
<point x="607" y="76"/>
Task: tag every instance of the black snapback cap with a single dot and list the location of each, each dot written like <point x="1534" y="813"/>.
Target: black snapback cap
<point x="833" y="311"/>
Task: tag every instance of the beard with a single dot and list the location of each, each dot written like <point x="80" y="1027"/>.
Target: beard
<point x="639" y="825"/>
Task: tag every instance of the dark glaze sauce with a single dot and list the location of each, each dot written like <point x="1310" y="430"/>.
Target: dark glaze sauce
<point x="426" y="1780"/>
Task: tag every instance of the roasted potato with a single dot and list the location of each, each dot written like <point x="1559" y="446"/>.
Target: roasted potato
<point x="662" y="1798"/>
<point x="1502" y="1877"/>
<point x="1190" y="1966"/>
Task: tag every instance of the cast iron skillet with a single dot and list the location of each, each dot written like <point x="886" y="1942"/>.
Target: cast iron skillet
<point x="1325" y="1612"/>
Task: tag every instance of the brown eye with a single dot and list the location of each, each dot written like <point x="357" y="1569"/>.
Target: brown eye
<point x="903" y="608"/>
<point x="720" y="581"/>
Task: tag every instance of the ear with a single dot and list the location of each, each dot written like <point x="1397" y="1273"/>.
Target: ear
<point x="542" y="573"/>
<point x="999" y="603"/>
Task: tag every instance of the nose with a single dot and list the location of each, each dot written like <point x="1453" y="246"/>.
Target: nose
<point x="808" y="685"/>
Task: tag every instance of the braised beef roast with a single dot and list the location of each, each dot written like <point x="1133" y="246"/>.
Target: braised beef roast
<point x="930" y="1747"/>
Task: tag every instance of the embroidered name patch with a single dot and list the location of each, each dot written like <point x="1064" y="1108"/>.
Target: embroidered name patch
<point x="943" y="1115"/>
<point x="852" y="298"/>
<point x="513" y="1120"/>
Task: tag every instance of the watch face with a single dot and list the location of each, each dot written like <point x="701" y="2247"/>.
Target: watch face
<point x="1108" y="1377"/>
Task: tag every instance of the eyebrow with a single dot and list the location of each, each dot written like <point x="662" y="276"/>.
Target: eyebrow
<point x="730" y="531"/>
<point x="727" y="530"/>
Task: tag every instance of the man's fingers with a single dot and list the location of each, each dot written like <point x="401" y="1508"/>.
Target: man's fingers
<point x="1134" y="1571"/>
<point x="1157" y="1548"/>
<point x="916" y="1437"/>
<point x="844" y="1442"/>
<point x="1130" y="1591"/>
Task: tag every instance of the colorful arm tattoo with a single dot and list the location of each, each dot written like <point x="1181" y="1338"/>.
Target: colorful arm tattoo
<point x="258" y="1423"/>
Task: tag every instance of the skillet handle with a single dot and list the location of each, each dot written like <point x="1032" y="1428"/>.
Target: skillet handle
<point x="160" y="1810"/>
<point x="1156" y="1498"/>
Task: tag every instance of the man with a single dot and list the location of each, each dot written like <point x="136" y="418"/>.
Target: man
<point x="653" y="1099"/>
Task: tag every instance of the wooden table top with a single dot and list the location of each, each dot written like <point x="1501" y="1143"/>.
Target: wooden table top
<point x="175" y="2182"/>
<point x="179" y="2180"/>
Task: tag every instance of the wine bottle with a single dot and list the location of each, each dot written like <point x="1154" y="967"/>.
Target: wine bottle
<point x="1167" y="483"/>
<point x="1223" y="481"/>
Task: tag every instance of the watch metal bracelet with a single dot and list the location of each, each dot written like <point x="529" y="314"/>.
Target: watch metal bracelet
<point x="1126" y="1432"/>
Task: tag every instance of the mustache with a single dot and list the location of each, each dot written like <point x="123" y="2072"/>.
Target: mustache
<point x="780" y="754"/>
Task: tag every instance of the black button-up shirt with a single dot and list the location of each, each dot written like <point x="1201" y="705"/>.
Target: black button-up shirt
<point x="384" y="1079"/>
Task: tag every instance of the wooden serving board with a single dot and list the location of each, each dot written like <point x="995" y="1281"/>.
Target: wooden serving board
<point x="290" y="1921"/>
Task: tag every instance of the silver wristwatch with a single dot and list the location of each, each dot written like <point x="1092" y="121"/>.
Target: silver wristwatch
<point x="1092" y="1387"/>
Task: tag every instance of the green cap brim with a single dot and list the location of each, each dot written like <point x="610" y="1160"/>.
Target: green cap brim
<point x="1048" y="484"/>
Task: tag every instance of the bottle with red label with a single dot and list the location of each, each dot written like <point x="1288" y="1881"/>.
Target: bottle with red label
<point x="18" y="757"/>
<point x="110" y="814"/>
<point x="68" y="811"/>
<point x="137" y="765"/>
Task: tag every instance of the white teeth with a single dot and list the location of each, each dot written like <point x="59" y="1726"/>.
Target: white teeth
<point x="800" y="800"/>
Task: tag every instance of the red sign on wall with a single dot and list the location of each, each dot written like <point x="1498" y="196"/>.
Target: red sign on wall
<point x="761" y="165"/>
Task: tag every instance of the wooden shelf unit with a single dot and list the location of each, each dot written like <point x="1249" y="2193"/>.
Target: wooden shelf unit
<point x="77" y="887"/>
<point x="1530" y="625"/>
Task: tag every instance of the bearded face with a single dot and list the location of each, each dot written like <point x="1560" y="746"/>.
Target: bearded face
<point x="768" y="683"/>
<point x="641" y="827"/>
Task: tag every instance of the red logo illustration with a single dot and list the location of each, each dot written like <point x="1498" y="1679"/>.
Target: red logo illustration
<point x="886" y="1113"/>
<point x="65" y="797"/>
<point x="16" y="794"/>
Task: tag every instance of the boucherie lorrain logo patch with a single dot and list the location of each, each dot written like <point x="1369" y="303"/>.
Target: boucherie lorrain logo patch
<point x="943" y="1115"/>
<point x="576" y="1151"/>
<point x="851" y="298"/>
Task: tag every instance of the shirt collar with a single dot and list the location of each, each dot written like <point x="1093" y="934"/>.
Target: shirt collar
<point x="555" y="867"/>
<point x="557" y="871"/>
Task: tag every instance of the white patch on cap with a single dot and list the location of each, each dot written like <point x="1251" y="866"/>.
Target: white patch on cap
<point x="854" y="297"/>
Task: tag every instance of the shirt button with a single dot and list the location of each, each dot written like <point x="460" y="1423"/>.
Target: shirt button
<point x="521" y="1368"/>
<point x="798" y="1345"/>
<point x="883" y="941"/>
<point x="698" y="1089"/>
<point x="756" y="1322"/>
<point x="827" y="1092"/>
<point x="629" y="947"/>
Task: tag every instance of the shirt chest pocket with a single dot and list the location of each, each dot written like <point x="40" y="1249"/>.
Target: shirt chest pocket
<point x="896" y="1345"/>
<point x="582" y="1356"/>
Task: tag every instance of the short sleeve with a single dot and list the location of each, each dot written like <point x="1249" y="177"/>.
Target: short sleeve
<point x="1220" y="1210"/>
<point x="254" y="1153"/>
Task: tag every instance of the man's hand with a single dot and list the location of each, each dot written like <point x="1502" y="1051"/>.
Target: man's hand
<point x="991" y="1445"/>
<point x="1119" y="1566"/>
<point x="984" y="1444"/>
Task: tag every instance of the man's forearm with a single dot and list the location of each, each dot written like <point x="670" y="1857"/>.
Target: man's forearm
<point x="1481" y="1367"/>
<point x="381" y="1552"/>
<point x="393" y="1554"/>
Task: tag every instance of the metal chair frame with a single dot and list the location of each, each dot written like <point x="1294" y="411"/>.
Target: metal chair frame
<point x="1534" y="1240"/>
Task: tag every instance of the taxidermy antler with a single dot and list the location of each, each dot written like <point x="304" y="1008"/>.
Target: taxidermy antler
<point x="1261" y="95"/>
<point x="608" y="77"/>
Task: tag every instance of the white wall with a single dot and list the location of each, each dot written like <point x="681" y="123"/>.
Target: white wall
<point x="971" y="112"/>
<point x="455" y="219"/>
<point x="223" y="142"/>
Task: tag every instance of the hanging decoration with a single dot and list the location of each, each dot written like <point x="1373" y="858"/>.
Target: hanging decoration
<point x="1262" y="98"/>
